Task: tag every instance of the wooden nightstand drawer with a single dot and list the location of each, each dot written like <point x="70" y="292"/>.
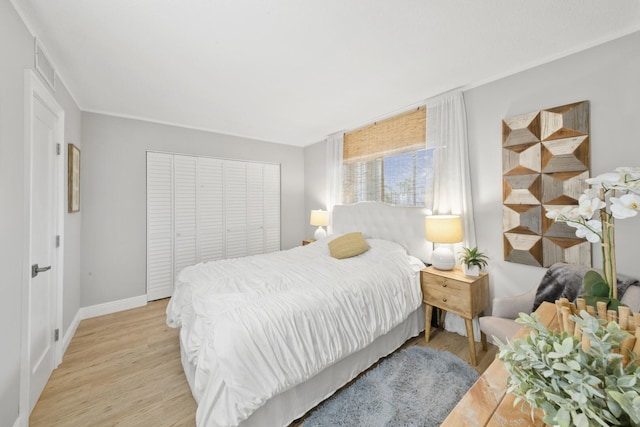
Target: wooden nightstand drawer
<point x="447" y="294"/>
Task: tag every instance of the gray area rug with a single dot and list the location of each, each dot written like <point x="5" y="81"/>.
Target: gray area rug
<point x="417" y="386"/>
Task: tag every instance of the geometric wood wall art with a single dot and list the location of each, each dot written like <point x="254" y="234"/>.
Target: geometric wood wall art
<point x="563" y="155"/>
<point x="522" y="189"/>
<point x="570" y="251"/>
<point x="521" y="130"/>
<point x="521" y="159"/>
<point x="545" y="162"/>
<point x="523" y="248"/>
<point x="522" y="219"/>
<point x="562" y="188"/>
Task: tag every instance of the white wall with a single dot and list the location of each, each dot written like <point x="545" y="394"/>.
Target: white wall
<point x="609" y="77"/>
<point x="16" y="46"/>
<point x="113" y="177"/>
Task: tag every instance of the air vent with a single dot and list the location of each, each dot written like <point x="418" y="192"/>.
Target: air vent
<point x="44" y="66"/>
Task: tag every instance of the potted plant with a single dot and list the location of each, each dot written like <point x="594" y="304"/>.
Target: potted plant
<point x="472" y="261"/>
<point x="573" y="383"/>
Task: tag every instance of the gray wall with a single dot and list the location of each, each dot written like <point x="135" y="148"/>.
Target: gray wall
<point x="315" y="183"/>
<point x="16" y="48"/>
<point x="113" y="180"/>
<point x="607" y="76"/>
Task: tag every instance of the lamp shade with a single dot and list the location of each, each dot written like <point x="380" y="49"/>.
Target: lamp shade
<point x="443" y="228"/>
<point x="319" y="218"/>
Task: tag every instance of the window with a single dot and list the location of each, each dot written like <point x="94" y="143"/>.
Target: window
<point x="388" y="162"/>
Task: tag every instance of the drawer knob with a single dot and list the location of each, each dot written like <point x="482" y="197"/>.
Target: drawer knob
<point x="444" y="299"/>
<point x="444" y="284"/>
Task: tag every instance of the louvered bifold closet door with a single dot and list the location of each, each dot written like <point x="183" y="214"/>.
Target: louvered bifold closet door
<point x="159" y="225"/>
<point x="185" y="248"/>
<point x="271" y="186"/>
<point x="204" y="209"/>
<point x="235" y="186"/>
<point x="210" y="209"/>
<point x="255" y="209"/>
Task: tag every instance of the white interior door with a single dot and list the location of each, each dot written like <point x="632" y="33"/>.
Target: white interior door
<point x="41" y="287"/>
<point x="43" y="275"/>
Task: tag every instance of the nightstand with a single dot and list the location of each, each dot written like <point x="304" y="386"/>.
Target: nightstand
<point x="451" y="290"/>
<point x="307" y="241"/>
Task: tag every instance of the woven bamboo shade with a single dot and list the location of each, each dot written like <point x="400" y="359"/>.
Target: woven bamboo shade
<point x="397" y="134"/>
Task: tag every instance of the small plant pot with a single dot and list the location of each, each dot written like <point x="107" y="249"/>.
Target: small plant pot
<point x="473" y="271"/>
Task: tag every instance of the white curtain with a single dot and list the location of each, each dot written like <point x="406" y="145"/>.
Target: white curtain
<point x="335" y="143"/>
<point x="447" y="133"/>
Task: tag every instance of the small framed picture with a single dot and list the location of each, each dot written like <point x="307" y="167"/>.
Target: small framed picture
<point x="74" y="178"/>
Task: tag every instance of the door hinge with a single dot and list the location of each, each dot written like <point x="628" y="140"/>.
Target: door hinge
<point x="56" y="335"/>
<point x="58" y="149"/>
<point x="58" y="241"/>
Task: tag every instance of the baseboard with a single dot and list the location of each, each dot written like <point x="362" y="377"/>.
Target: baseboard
<point x="112" y="307"/>
<point x="19" y="422"/>
<point x="68" y="335"/>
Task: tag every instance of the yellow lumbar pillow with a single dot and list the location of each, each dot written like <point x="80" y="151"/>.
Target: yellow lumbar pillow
<point x="348" y="245"/>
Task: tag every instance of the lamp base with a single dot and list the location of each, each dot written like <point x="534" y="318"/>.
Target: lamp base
<point x="320" y="233"/>
<point x="442" y="258"/>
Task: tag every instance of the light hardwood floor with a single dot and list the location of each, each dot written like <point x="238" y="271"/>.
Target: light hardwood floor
<point x="124" y="369"/>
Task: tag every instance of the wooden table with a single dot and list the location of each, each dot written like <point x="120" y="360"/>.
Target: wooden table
<point x="486" y="403"/>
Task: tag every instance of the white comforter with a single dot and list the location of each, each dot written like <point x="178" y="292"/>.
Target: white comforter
<point x="254" y="327"/>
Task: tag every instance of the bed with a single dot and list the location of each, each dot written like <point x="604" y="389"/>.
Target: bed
<point x="266" y="338"/>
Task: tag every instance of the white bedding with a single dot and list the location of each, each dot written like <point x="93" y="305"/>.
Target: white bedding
<point x="255" y="327"/>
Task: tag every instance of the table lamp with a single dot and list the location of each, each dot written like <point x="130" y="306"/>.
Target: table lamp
<point x="319" y="218"/>
<point x="443" y="229"/>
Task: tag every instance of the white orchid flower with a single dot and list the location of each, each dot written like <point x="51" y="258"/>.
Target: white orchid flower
<point x="626" y="206"/>
<point x="552" y="213"/>
<point x="587" y="207"/>
<point x="630" y="178"/>
<point x="591" y="230"/>
<point x="606" y="180"/>
<point x="629" y="171"/>
<point x="566" y="213"/>
<point x="575" y="224"/>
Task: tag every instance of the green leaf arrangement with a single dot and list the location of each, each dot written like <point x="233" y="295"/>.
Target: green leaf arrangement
<point x="596" y="289"/>
<point x="473" y="257"/>
<point x="574" y="386"/>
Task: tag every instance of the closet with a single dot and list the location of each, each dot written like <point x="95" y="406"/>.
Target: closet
<point x="202" y="209"/>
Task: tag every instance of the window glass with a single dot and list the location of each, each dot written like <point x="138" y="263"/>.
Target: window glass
<point x="398" y="179"/>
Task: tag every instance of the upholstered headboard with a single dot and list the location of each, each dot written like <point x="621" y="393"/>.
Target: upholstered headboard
<point x="403" y="225"/>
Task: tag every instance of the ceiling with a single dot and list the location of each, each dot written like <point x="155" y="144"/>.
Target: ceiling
<point x="294" y="71"/>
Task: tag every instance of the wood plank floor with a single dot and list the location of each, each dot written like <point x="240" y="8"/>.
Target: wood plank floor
<point x="124" y="369"/>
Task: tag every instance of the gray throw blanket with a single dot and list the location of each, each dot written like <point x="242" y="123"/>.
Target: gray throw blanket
<point x="565" y="281"/>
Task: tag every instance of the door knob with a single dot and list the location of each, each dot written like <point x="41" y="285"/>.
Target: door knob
<point x="35" y="270"/>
